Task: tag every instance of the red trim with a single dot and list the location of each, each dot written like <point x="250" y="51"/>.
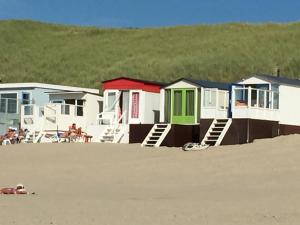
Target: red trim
<point x="130" y="84"/>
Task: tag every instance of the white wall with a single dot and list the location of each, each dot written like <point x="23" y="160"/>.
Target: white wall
<point x="148" y="102"/>
<point x="152" y="102"/>
<point x="253" y="80"/>
<point x="289" y="105"/>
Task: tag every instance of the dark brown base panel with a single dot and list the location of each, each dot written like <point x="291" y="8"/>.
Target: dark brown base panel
<point x="288" y="129"/>
<point x="241" y="131"/>
<point x="177" y="137"/>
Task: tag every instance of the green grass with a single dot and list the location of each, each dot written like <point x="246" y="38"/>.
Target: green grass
<point x="84" y="56"/>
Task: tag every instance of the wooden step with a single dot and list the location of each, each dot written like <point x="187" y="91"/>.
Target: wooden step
<point x="162" y="126"/>
<point x="210" y="142"/>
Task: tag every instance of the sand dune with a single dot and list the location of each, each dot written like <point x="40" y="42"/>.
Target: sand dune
<point x="125" y="184"/>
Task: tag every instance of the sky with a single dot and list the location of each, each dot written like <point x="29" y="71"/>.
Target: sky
<point x="150" y="13"/>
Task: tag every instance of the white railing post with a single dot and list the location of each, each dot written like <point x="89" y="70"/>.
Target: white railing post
<point x="249" y="97"/>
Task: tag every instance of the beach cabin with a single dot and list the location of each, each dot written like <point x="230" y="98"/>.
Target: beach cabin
<point x="63" y="109"/>
<point x="127" y="101"/>
<point x="17" y="99"/>
<point x="186" y="105"/>
<point x="270" y="99"/>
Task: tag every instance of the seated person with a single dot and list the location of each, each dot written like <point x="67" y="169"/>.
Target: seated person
<point x="18" y="190"/>
<point x="10" y="135"/>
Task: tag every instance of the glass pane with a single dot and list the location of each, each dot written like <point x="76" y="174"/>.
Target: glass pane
<point x="222" y="100"/>
<point x="80" y="102"/>
<point x="70" y="101"/>
<point x="206" y="98"/>
<point x="25" y="98"/>
<point x="111" y="98"/>
<point x="190" y="103"/>
<point x="167" y="105"/>
<point x="177" y="103"/>
<point x="241" y="97"/>
<point x="276" y="100"/>
<point x="12" y="106"/>
<point x="254" y="98"/>
<point x="11" y="95"/>
<point x="261" y="98"/>
<point x="3" y="105"/>
<point x="268" y="102"/>
<point x="79" y="111"/>
<point x="65" y="109"/>
<point x="213" y="100"/>
<point x="28" y="110"/>
<point x="210" y="97"/>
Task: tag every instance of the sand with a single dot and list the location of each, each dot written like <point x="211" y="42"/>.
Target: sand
<point x="105" y="184"/>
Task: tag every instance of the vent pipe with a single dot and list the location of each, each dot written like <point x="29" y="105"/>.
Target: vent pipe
<point x="277" y="71"/>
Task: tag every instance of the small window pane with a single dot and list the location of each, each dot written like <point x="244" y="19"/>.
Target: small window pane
<point x="3" y="105"/>
<point x="12" y="106"/>
<point x="111" y="98"/>
<point x="79" y="110"/>
<point x="190" y="103"/>
<point x="261" y="98"/>
<point x="177" y="103"/>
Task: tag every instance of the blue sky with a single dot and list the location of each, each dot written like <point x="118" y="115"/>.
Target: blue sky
<point x="150" y="13"/>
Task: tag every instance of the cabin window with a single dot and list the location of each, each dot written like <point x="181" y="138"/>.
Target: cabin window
<point x="167" y="106"/>
<point x="210" y="97"/>
<point x="135" y="105"/>
<point x="177" y="103"/>
<point x="100" y="103"/>
<point x="190" y="102"/>
<point x="261" y="98"/>
<point x="276" y="100"/>
<point x="79" y="107"/>
<point x="241" y="97"/>
<point x="25" y="98"/>
<point x="111" y="98"/>
<point x="65" y="109"/>
<point x="8" y="103"/>
<point x="222" y="99"/>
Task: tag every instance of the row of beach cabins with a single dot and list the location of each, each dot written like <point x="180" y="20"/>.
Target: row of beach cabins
<point x="156" y="114"/>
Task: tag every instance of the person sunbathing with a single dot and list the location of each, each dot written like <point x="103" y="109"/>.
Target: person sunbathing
<point x="10" y="137"/>
<point x="19" y="190"/>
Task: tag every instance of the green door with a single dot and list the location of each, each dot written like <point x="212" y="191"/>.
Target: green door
<point x="183" y="103"/>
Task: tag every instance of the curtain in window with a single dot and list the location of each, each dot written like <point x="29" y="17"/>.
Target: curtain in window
<point x="135" y="105"/>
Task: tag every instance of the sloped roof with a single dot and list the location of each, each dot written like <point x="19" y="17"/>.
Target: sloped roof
<point x="203" y="83"/>
<point x="278" y="80"/>
<point x="136" y="80"/>
<point x="46" y="86"/>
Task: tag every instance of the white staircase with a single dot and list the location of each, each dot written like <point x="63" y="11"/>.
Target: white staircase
<point x="216" y="132"/>
<point x="112" y="134"/>
<point x="156" y="135"/>
<point x="115" y="132"/>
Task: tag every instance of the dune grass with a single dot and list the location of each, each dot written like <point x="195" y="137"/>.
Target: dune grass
<point x="84" y="56"/>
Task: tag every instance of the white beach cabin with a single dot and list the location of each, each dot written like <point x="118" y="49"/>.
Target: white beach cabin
<point x="64" y="108"/>
<point x="267" y="97"/>
<point x="127" y="101"/>
<point x="19" y="101"/>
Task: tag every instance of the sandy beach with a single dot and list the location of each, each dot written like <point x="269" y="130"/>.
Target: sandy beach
<point x="125" y="184"/>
